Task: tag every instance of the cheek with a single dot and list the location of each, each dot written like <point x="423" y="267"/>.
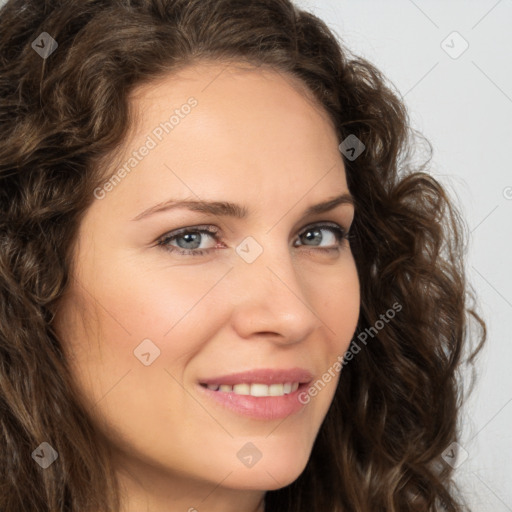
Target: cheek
<point x="128" y="324"/>
<point x="157" y="296"/>
<point x="336" y="298"/>
<point x="345" y="314"/>
<point x="145" y="322"/>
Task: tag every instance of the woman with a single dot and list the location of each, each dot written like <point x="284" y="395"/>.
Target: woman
<point x="224" y="284"/>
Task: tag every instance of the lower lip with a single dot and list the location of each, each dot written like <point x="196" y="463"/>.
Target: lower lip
<point x="261" y="407"/>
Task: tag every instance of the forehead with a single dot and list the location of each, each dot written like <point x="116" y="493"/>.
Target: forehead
<point x="229" y="86"/>
<point x="252" y="126"/>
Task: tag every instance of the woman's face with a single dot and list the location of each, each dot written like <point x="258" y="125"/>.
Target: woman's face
<point x="144" y="324"/>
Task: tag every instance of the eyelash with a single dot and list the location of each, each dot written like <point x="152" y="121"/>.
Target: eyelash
<point x="340" y="233"/>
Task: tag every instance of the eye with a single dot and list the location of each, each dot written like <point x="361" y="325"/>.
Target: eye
<point x="192" y="237"/>
<point x="189" y="239"/>
<point x="314" y="234"/>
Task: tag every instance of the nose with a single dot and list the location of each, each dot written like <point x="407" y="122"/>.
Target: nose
<point x="270" y="298"/>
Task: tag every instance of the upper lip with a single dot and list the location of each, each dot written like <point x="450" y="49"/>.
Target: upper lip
<point x="262" y="376"/>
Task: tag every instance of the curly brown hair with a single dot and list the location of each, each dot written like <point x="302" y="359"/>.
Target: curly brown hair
<point x="396" y="408"/>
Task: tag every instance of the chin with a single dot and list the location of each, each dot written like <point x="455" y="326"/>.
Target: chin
<point x="269" y="476"/>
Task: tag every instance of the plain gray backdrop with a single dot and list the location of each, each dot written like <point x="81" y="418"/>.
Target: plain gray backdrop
<point x="451" y="62"/>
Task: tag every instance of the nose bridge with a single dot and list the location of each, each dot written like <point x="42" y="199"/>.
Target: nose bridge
<point x="272" y="297"/>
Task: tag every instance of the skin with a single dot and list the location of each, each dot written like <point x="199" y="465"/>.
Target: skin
<point x="255" y="138"/>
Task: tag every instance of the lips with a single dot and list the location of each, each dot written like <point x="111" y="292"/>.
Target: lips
<point x="268" y="404"/>
<point x="266" y="376"/>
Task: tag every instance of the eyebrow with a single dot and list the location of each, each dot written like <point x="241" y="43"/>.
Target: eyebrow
<point x="227" y="209"/>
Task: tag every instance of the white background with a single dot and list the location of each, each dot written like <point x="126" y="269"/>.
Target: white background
<point x="463" y="106"/>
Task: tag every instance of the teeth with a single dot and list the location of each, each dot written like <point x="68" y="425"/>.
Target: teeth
<point x="257" y="389"/>
<point x="241" y="389"/>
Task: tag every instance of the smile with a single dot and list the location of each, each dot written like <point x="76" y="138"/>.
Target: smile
<point x="255" y="389"/>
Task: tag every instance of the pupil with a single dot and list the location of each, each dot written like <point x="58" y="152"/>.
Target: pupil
<point x="189" y="235"/>
<point x="317" y="234"/>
